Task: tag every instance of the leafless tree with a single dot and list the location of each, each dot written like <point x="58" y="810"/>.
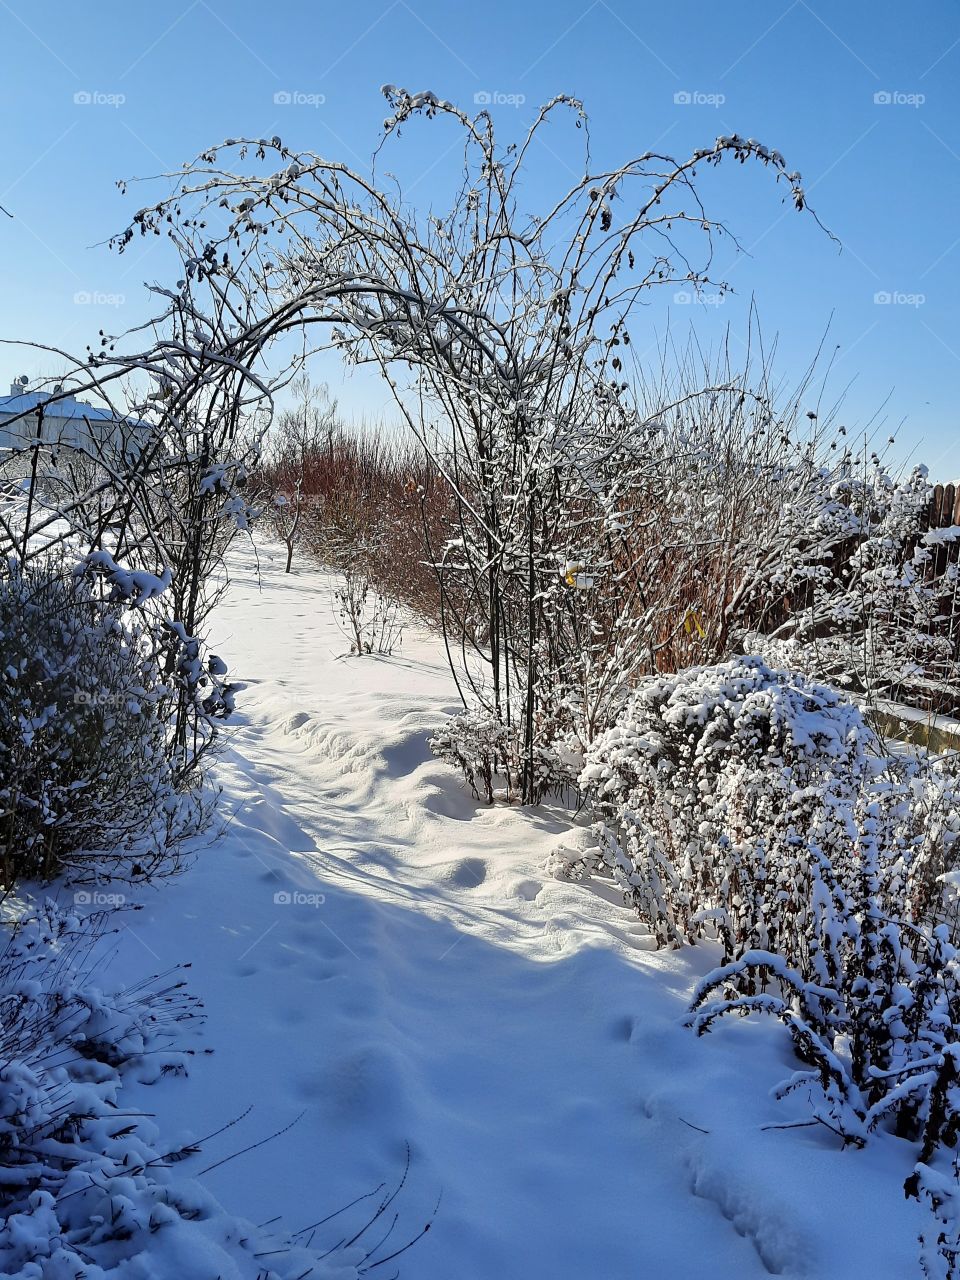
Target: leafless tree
<point x="301" y="435"/>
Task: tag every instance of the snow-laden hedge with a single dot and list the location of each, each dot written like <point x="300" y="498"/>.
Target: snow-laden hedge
<point x="87" y="1189"/>
<point x="735" y="799"/>
<point x="753" y="804"/>
<point x="85" y="767"/>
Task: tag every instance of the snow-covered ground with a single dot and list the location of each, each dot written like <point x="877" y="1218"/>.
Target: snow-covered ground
<point x="385" y="963"/>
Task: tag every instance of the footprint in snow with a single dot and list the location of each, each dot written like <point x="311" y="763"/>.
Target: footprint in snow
<point x="468" y="873"/>
<point x="622" y="1029"/>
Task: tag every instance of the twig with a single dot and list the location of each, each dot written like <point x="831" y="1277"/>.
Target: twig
<point x="253" y="1146"/>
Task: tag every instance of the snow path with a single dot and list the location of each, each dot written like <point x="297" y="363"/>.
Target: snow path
<point x="514" y="1030"/>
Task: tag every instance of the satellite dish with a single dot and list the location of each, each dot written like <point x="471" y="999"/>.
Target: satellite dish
<point x="23" y="379"/>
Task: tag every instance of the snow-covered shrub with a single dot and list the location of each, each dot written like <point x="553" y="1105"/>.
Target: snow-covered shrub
<point x="372" y="622"/>
<point x="489" y="755"/>
<point x="88" y="1188"/>
<point x="478" y="744"/>
<point x="49" y="1015"/>
<point x="742" y="800"/>
<point x="85" y="773"/>
<point x="939" y="1245"/>
<point x="878" y="1043"/>
<point x="860" y="592"/>
<point x="753" y="804"/>
<point x="723" y="796"/>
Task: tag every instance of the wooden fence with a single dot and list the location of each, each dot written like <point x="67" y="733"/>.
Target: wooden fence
<point x="943" y="512"/>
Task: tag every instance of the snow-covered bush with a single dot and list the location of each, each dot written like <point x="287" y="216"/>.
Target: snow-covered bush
<point x="372" y="622"/>
<point x="49" y="1015"/>
<point x="87" y="1187"/>
<point x="489" y="754"/>
<point x="86" y="776"/>
<point x="860" y="591"/>
<point x="478" y="744"/>
<point x="740" y="800"/>
<point x="723" y="795"/>
<point x="758" y="806"/>
<point x="940" y="1243"/>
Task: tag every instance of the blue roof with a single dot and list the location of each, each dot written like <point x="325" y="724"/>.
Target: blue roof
<point x="67" y="408"/>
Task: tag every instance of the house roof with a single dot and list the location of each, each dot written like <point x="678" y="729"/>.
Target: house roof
<point x="68" y="408"/>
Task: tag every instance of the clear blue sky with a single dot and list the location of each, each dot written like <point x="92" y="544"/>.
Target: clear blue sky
<point x="165" y="80"/>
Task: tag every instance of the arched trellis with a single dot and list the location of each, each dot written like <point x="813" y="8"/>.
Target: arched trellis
<point x="504" y="336"/>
